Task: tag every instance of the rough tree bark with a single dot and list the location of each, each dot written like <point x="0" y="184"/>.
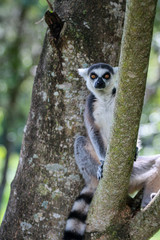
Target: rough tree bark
<point x="47" y="180"/>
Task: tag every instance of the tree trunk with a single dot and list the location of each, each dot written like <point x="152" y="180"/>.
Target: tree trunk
<point x="47" y="180"/>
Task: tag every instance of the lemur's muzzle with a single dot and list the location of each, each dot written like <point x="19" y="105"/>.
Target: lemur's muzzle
<point x="99" y="83"/>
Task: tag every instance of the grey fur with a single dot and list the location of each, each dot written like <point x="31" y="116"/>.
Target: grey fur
<point x="145" y="168"/>
<point x="90" y="151"/>
<point x="87" y="165"/>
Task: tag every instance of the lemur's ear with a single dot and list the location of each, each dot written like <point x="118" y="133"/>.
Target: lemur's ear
<point x="115" y="69"/>
<point x="83" y="72"/>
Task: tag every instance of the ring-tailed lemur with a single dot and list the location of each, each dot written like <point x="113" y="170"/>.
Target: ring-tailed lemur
<point x="101" y="80"/>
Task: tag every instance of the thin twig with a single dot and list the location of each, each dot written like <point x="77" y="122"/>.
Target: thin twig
<point x="50" y="5"/>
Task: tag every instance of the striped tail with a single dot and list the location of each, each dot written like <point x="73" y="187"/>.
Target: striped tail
<point x="76" y="222"/>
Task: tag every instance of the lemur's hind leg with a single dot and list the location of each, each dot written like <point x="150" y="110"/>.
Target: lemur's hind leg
<point x="152" y="185"/>
<point x="86" y="158"/>
<point x="145" y="172"/>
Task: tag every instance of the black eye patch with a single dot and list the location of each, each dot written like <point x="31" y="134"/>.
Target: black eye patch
<point x="93" y="76"/>
<point x="106" y="76"/>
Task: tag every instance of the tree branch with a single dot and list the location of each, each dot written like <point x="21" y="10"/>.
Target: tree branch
<point x="146" y="222"/>
<point x="111" y="194"/>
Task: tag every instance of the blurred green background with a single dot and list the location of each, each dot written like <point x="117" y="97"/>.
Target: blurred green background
<point x="21" y="37"/>
<point x="21" y="40"/>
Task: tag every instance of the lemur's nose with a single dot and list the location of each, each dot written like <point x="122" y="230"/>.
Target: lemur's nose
<point x="99" y="83"/>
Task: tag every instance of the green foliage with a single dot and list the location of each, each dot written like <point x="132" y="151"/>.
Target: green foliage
<point x="13" y="163"/>
<point x="17" y="31"/>
<point x="20" y="47"/>
<point x="150" y="120"/>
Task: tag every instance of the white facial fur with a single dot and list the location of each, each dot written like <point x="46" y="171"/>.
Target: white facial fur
<point x="112" y="82"/>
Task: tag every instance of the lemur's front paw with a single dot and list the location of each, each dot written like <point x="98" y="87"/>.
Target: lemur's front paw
<point x="100" y="170"/>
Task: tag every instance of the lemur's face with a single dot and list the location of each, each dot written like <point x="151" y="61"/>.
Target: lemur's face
<point x="99" y="76"/>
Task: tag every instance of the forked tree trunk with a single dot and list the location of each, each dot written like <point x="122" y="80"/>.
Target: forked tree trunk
<point x="47" y="180"/>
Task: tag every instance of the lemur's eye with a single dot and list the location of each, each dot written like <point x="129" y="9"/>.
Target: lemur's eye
<point x="106" y="75"/>
<point x="93" y="76"/>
